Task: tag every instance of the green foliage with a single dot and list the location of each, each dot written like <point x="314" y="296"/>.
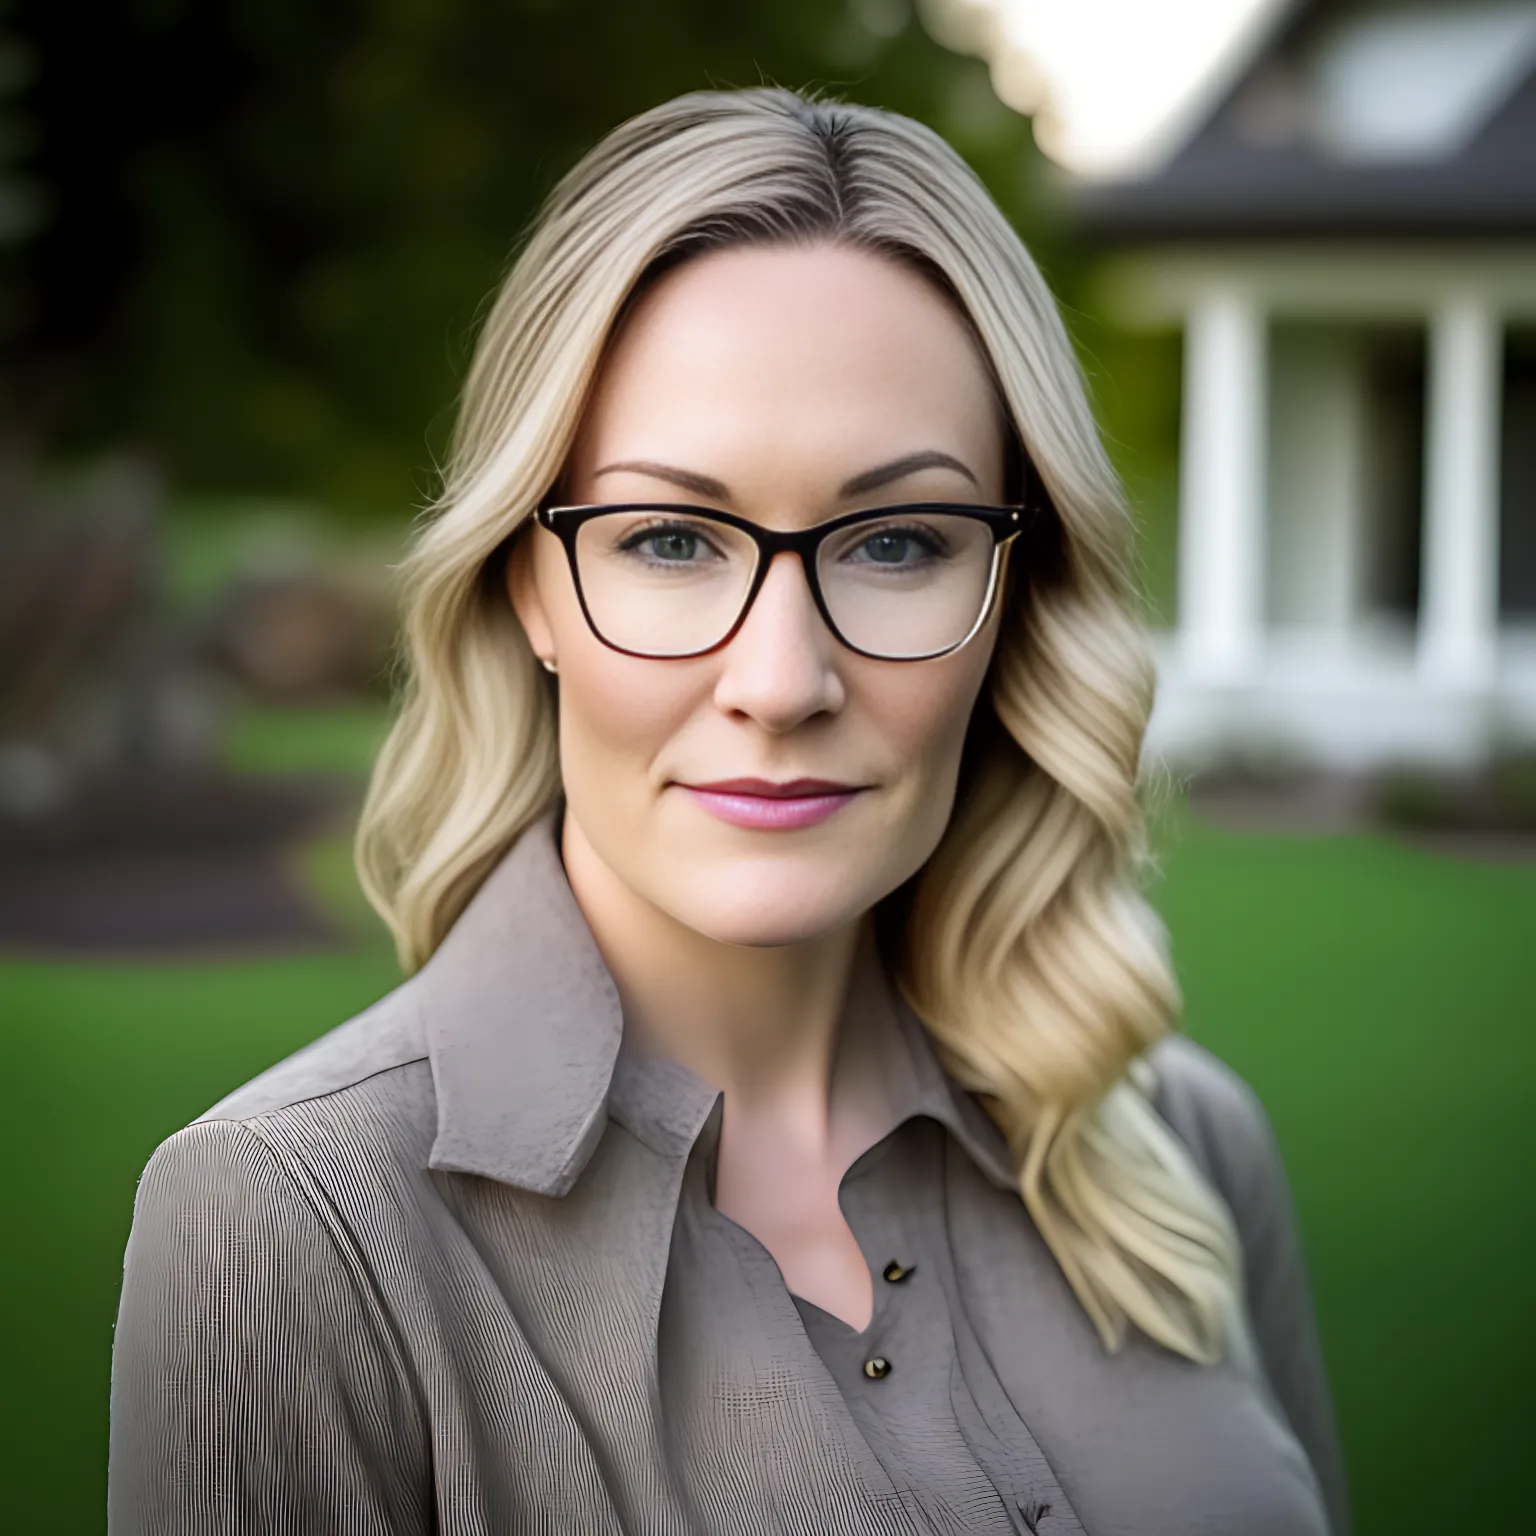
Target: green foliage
<point x="1500" y="799"/>
<point x="332" y="739"/>
<point x="1134" y="381"/>
<point x="276" y="221"/>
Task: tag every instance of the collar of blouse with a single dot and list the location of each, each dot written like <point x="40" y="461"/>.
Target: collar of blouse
<point x="524" y="1034"/>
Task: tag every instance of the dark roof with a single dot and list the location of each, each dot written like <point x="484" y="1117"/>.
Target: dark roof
<point x="1257" y="166"/>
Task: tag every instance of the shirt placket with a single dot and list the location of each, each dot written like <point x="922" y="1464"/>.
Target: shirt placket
<point x="872" y="1353"/>
<point x="862" y="1500"/>
<point x="910" y="1302"/>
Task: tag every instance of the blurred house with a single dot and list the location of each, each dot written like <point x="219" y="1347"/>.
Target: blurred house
<point x="1348" y="241"/>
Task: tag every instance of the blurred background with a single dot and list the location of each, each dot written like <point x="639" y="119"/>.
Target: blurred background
<point x="243" y="248"/>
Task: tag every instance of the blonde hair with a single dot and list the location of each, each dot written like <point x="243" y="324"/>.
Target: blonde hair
<point x="1029" y="952"/>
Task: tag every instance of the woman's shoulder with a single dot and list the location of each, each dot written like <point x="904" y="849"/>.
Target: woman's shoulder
<point x="254" y="1364"/>
<point x="380" y="1039"/>
<point x="320" y="1106"/>
<point x="1217" y="1115"/>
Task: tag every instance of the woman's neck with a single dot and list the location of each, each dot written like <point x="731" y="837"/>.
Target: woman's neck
<point x="763" y="1024"/>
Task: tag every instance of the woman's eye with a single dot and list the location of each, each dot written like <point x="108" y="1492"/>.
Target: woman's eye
<point x="888" y="548"/>
<point x="896" y="546"/>
<point x="668" y="546"/>
<point x="673" y="546"/>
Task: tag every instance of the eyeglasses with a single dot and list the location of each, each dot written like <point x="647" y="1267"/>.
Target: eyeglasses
<point x="899" y="583"/>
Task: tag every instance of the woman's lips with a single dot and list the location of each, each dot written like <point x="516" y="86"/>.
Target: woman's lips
<point x="764" y="805"/>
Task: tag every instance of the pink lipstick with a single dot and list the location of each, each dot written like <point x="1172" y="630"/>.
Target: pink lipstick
<point x="763" y="805"/>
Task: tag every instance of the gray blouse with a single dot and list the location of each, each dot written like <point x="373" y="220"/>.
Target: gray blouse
<point x="912" y="1388"/>
<point x="454" y="1268"/>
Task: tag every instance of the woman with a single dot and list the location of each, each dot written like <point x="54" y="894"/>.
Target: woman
<point x="779" y="1130"/>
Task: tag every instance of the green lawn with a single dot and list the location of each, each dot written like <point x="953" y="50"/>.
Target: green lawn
<point x="1379" y="998"/>
<point x="1382" y="999"/>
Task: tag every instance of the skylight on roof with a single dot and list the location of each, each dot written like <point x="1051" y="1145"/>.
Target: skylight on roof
<point x="1419" y="84"/>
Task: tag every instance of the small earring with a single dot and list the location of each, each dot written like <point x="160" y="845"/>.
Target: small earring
<point x="548" y="664"/>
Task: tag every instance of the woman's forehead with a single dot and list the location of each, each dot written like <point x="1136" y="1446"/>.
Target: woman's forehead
<point x="821" y="360"/>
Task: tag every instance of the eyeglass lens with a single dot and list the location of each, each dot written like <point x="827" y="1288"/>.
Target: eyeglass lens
<point x="666" y="584"/>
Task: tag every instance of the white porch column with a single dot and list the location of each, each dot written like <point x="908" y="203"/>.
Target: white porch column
<point x="1221" y="500"/>
<point x="1459" y="602"/>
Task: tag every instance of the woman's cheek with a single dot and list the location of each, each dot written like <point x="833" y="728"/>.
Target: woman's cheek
<point x="925" y="721"/>
<point x="617" y="716"/>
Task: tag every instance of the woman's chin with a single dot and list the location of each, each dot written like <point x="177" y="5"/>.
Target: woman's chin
<point x="768" y="913"/>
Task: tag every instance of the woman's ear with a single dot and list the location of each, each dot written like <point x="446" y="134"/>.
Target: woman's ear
<point x="523" y="591"/>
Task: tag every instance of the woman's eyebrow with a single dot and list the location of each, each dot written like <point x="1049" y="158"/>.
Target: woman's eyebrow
<point x="685" y="479"/>
<point x="898" y="469"/>
<point x="859" y="485"/>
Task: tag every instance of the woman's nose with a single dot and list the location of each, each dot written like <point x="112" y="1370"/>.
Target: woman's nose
<point x="782" y="666"/>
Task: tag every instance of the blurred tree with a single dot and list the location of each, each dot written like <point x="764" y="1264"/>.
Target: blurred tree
<point x="18" y="206"/>
<point x="273" y="222"/>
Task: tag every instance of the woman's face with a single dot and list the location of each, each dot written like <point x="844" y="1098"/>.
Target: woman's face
<point x="761" y="382"/>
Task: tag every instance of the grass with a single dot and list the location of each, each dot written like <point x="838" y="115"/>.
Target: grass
<point x="1382" y="999"/>
<point x="337" y="739"/>
<point x="1379" y="998"/>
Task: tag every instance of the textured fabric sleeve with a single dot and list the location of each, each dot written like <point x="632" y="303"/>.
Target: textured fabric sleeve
<point x="1226" y="1127"/>
<point x="255" y="1387"/>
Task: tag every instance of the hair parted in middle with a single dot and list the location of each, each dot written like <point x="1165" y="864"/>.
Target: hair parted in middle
<point x="1026" y="944"/>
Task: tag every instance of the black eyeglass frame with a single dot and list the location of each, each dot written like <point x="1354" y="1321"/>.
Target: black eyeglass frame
<point x="1005" y="522"/>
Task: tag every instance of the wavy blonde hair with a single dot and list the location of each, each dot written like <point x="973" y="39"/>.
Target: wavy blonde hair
<point x="1038" y="967"/>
